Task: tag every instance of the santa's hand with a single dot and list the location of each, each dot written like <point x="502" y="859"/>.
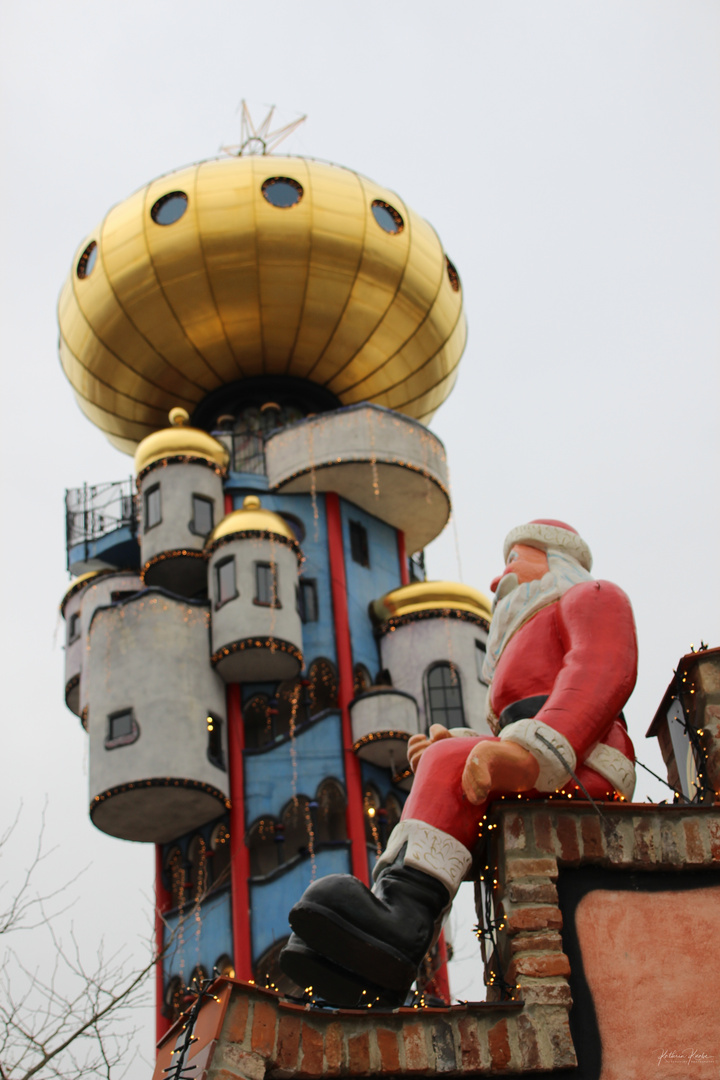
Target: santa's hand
<point x="493" y="765"/>
<point x="418" y="744"/>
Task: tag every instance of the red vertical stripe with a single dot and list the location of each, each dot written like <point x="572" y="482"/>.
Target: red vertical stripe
<point x="162" y="903"/>
<point x="228" y="504"/>
<point x="402" y="558"/>
<point x="240" y="863"/>
<point x="353" y="779"/>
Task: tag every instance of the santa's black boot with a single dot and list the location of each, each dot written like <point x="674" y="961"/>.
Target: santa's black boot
<point x="379" y="938"/>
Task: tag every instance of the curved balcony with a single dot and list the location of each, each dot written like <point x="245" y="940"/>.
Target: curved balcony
<point x="382" y="722"/>
<point x="377" y="459"/>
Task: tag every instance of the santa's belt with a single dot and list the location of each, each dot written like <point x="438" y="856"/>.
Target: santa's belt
<point x="524" y="709"/>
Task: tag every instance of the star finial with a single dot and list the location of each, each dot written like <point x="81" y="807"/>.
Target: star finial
<point x="258" y="138"/>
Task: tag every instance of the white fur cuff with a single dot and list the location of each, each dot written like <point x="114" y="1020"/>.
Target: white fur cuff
<point x="553" y="773"/>
<point x="614" y="767"/>
<point x="429" y="850"/>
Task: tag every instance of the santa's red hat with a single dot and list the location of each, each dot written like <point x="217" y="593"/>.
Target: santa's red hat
<point x="544" y="533"/>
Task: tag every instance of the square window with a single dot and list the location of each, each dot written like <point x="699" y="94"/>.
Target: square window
<point x="73" y="631"/>
<point x="225" y="581"/>
<point x="153" y="507"/>
<point x="122" y="729"/>
<point x="307" y="600"/>
<point x="203" y="515"/>
<point x="266" y="586"/>
<point x="359" y="544"/>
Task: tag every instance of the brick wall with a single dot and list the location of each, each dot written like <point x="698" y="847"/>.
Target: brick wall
<point x="261" y="1035"/>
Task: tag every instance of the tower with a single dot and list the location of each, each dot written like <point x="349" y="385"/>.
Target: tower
<point x="251" y="640"/>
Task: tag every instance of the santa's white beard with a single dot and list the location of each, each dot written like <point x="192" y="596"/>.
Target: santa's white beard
<point x="515" y="605"/>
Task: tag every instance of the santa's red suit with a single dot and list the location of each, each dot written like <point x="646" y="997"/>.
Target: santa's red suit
<point x="562" y="678"/>
<point x="561" y="660"/>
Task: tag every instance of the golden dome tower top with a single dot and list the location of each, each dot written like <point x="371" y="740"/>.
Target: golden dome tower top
<point x="254" y="266"/>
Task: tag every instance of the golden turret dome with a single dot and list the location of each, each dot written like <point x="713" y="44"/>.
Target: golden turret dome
<point x="179" y="440"/>
<point x="258" y="266"/>
<point x="251" y="519"/>
<point x="431" y="596"/>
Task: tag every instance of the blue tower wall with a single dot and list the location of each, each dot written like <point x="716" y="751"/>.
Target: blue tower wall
<point x="367" y="583"/>
<point x="318" y="753"/>
<point x="271" y="900"/>
<point x="204" y="939"/>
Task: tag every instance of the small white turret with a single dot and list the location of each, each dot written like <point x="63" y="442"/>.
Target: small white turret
<point x="252" y="585"/>
<point x="179" y="476"/>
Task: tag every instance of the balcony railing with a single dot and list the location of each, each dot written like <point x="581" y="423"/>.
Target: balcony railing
<point x="96" y="510"/>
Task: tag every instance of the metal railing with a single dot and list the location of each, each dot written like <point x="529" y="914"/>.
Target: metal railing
<point x="96" y="510"/>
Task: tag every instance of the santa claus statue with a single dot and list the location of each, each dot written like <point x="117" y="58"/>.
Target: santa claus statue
<point x="561" y="663"/>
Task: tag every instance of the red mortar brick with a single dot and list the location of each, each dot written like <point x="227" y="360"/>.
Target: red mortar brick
<point x="522" y="868"/>
<point x="535" y="942"/>
<point x="263" y="1029"/>
<point x="514" y="832"/>
<point x="693" y="842"/>
<point x="644" y="846"/>
<point x="670" y="840"/>
<point x="528" y="1043"/>
<point x="312" y="1051"/>
<point x="592" y="838"/>
<point x="532" y="892"/>
<point x="334" y="1049"/>
<point x="388" y="1047"/>
<point x="568" y="839"/>
<point x="359" y="1054"/>
<point x="416" y="1057"/>
<point x="534" y="918"/>
<point x="544" y="992"/>
<point x="714" y="830"/>
<point x="562" y="1045"/>
<point x="545" y="966"/>
<point x="544" y="832"/>
<point x="236" y="1024"/>
<point x="469" y="1044"/>
<point x="499" y="1045"/>
<point x="288" y="1043"/>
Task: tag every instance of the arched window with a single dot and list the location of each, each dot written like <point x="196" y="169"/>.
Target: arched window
<point x="444" y="696"/>
<point x="292" y="710"/>
<point x="264" y="840"/>
<point x="331" y="824"/>
<point x="220" y="848"/>
<point x="173" y="998"/>
<point x="298" y="828"/>
<point x="371" y="807"/>
<point x="322" y="677"/>
<point x="224" y="966"/>
<point x="393" y="810"/>
<point x="269" y="974"/>
<point x="257" y="722"/>
<point x="362" y="680"/>
<point x="197" y="857"/>
<point x="175" y="871"/>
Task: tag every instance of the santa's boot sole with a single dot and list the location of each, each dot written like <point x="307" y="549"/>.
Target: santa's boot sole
<point x="330" y="982"/>
<point x="369" y="959"/>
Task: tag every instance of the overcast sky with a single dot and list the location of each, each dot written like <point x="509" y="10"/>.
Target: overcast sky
<point x="568" y="155"/>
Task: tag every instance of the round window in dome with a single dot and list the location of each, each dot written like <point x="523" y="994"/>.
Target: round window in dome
<point x="282" y="191"/>
<point x="170" y="208"/>
<point x="86" y="262"/>
<point x="453" y="276"/>
<point x="387" y="216"/>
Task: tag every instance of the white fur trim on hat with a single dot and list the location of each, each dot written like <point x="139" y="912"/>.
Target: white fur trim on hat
<point x="429" y="850"/>
<point x="614" y="767"/>
<point x="553" y="773"/>
<point x="549" y="536"/>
